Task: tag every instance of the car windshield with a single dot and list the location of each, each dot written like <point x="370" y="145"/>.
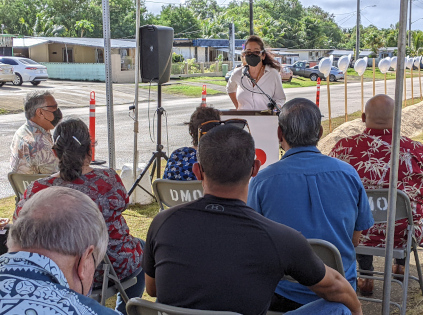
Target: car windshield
<point x="28" y="62"/>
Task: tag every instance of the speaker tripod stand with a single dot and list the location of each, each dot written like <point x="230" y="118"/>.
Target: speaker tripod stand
<point x="157" y="156"/>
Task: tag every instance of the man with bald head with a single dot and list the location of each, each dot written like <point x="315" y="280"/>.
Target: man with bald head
<point x="54" y="248"/>
<point x="370" y="153"/>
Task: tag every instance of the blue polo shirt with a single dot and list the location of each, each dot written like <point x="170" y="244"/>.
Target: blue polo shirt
<point x="320" y="196"/>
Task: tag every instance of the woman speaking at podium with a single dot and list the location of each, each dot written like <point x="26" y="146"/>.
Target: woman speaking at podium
<point x="262" y="70"/>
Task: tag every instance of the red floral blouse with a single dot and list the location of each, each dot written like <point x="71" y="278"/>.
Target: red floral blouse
<point x="105" y="188"/>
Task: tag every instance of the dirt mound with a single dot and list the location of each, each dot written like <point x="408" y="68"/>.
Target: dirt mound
<point x="411" y="126"/>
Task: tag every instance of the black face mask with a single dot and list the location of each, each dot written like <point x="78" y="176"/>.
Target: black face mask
<point x="57" y="117"/>
<point x="252" y="60"/>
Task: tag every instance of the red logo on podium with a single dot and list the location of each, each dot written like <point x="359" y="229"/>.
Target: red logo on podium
<point x="261" y="155"/>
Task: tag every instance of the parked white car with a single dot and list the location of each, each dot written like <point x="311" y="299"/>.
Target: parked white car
<point x="26" y="70"/>
<point x="6" y="73"/>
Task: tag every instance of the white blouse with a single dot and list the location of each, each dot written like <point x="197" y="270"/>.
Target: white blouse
<point x="250" y="97"/>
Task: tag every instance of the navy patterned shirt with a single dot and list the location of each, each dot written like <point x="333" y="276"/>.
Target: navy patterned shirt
<point x="179" y="165"/>
<point x="33" y="284"/>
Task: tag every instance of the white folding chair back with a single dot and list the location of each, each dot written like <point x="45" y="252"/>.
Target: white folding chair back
<point x="20" y="182"/>
<point x="171" y="193"/>
<point x="138" y="306"/>
<point x="378" y="199"/>
<point x="328" y="253"/>
<point x="111" y="284"/>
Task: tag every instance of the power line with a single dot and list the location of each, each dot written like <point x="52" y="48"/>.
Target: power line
<point x="367" y="19"/>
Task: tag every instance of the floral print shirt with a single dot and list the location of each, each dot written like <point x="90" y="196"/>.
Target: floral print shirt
<point x="105" y="188"/>
<point x="370" y="154"/>
<point x="31" y="151"/>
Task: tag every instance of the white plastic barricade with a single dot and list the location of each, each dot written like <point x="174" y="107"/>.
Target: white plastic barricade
<point x="128" y="180"/>
<point x="264" y="129"/>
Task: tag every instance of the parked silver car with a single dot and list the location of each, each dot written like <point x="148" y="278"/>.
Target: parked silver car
<point x="6" y="73"/>
<point x="26" y="70"/>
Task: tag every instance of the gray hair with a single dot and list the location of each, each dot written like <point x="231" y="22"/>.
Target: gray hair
<point x="33" y="101"/>
<point x="61" y="220"/>
<point x="300" y="121"/>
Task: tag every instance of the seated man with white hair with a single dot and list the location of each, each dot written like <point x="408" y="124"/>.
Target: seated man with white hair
<point x="54" y="249"/>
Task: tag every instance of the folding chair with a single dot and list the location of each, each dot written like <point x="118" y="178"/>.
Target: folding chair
<point x="328" y="253"/>
<point x="138" y="306"/>
<point x="171" y="193"/>
<point x="111" y="284"/>
<point x="378" y="199"/>
<point x="20" y="182"/>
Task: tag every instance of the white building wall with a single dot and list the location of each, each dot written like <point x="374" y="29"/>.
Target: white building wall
<point x="201" y="54"/>
<point x="186" y="52"/>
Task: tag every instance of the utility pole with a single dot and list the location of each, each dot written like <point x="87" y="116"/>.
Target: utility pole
<point x="409" y="25"/>
<point x="357" y="39"/>
<point x="251" y="18"/>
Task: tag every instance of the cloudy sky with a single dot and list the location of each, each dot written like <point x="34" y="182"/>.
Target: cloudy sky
<point x="381" y="13"/>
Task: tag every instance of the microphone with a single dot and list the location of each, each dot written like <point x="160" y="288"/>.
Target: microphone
<point x="245" y="71"/>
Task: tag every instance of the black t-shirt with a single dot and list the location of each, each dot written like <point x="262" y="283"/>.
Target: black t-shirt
<point x="219" y="254"/>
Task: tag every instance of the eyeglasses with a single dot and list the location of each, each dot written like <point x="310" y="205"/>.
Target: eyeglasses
<point x="209" y="125"/>
<point x="256" y="52"/>
<point x="52" y="106"/>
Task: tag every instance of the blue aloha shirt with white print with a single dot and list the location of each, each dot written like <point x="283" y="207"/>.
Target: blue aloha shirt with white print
<point x="32" y="284"/>
<point x="179" y="165"/>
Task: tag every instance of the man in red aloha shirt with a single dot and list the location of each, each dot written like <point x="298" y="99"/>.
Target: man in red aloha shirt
<point x="370" y="153"/>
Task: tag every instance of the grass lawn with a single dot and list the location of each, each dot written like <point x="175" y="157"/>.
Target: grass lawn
<point x="184" y="90"/>
<point x="380" y="76"/>
<point x="206" y="80"/>
<point x="419" y="138"/>
<point x="299" y="82"/>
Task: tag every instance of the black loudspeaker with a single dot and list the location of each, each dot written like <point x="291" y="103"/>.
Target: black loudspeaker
<point x="156" y="44"/>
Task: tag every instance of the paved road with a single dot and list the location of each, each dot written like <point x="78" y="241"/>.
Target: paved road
<point x="73" y="97"/>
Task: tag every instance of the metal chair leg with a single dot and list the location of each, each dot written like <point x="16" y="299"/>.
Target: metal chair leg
<point x="116" y="280"/>
<point x="106" y="268"/>
<point x="418" y="266"/>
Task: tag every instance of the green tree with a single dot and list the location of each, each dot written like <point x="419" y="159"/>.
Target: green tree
<point x="84" y="26"/>
<point x="372" y="39"/>
<point x="181" y="19"/>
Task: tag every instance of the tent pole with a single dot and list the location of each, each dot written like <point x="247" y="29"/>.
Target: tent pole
<point x="393" y="177"/>
<point x="109" y="84"/>
<point x="137" y="79"/>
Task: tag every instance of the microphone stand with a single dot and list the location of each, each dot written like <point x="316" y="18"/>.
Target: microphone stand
<point x="272" y="104"/>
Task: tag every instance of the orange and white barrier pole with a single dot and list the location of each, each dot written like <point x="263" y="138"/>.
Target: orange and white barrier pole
<point x="203" y="96"/>
<point x="92" y="124"/>
<point x="318" y="92"/>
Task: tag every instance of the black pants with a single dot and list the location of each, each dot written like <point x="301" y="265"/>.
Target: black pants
<point x="282" y="304"/>
<point x="365" y="262"/>
<point x="3" y="239"/>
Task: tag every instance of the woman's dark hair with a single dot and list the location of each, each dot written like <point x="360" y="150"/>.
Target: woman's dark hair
<point x="72" y="144"/>
<point x="268" y="59"/>
<point x="200" y="115"/>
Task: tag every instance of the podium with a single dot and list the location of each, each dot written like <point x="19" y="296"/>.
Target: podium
<point x="264" y="129"/>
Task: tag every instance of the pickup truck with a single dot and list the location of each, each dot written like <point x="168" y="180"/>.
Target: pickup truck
<point x="307" y="70"/>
